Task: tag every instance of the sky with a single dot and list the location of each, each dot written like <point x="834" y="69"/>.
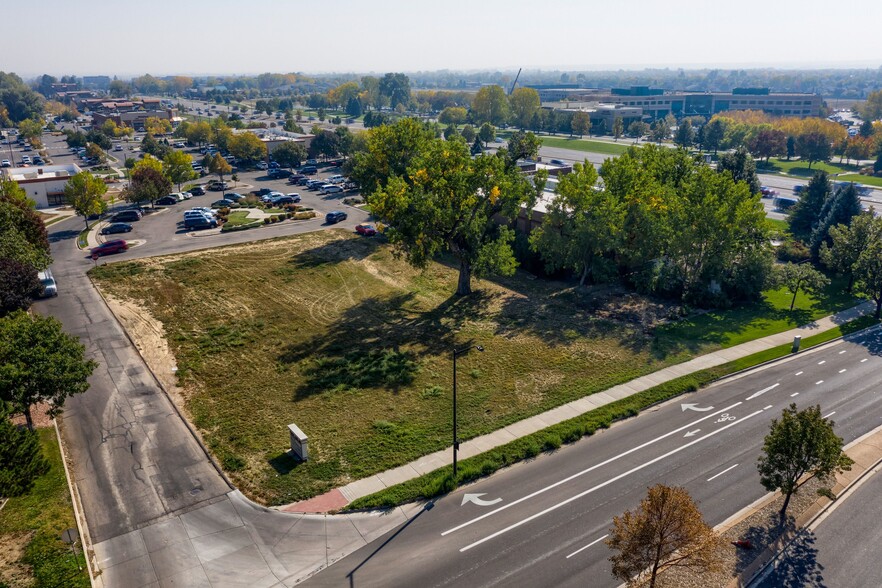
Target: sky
<point x="192" y="37"/>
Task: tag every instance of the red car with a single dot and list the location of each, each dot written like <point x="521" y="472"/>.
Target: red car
<point x="366" y="230"/>
<point x="109" y="247"/>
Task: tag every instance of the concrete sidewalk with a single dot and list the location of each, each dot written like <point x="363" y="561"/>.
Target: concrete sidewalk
<point x="342" y="496"/>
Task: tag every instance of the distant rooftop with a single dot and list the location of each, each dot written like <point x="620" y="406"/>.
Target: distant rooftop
<point x="41" y="172"/>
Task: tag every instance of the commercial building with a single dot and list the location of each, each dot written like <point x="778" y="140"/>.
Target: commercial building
<point x="131" y="113"/>
<point x="657" y="103"/>
<point x="44" y="184"/>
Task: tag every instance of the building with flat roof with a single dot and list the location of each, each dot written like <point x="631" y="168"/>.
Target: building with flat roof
<point x="44" y="184"/>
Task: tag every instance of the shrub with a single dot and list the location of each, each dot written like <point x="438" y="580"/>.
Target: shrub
<point x="266" y="220"/>
<point x="793" y="251"/>
<point x="304" y="215"/>
<point x="551" y="442"/>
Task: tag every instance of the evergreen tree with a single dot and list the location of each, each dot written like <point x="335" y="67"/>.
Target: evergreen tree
<point x="804" y="215"/>
<point x="21" y="460"/>
<point x="838" y="210"/>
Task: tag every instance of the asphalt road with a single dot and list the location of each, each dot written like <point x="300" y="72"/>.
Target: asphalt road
<point x="840" y="550"/>
<point x="548" y="518"/>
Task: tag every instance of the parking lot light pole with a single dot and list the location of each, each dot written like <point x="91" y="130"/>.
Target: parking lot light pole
<point x="456" y="353"/>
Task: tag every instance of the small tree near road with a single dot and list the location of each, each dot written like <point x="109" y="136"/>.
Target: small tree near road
<point x="800" y="276"/>
<point x="21" y="459"/>
<point x="800" y="443"/>
<point x="39" y="362"/>
<point x="868" y="275"/>
<point x="83" y="192"/>
<point x="218" y="165"/>
<point x="665" y="531"/>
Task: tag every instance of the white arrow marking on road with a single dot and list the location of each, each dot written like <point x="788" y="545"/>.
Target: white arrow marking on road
<point x="585" y="471"/>
<point x="603" y="484"/>
<point x="476" y="499"/>
<point x="694" y="407"/>
<point x="761" y="392"/>
<point x="581" y="549"/>
<point x="692" y="433"/>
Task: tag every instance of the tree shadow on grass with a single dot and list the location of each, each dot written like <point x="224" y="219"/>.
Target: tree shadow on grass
<point x="379" y="342"/>
<point x="334" y="252"/>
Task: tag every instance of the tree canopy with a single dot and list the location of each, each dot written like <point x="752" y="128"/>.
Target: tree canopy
<point x="84" y="192"/>
<point x="21" y="458"/>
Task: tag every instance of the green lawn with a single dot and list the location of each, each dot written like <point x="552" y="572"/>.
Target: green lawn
<point x="31" y="527"/>
<point x="239" y="217"/>
<point x="772" y="315"/>
<point x="801" y="169"/>
<point x="604" y="147"/>
<point x="332" y="332"/>
<point x="868" y="180"/>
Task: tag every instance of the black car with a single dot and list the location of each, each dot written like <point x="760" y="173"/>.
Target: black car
<point x="335" y="216"/>
<point x="197" y="191"/>
<point x="116" y="228"/>
<point x="294" y="177"/>
<point x="277" y="174"/>
<point x="309" y="170"/>
<point x="167" y="201"/>
<point x="127" y="216"/>
<point x="264" y="191"/>
<point x="303" y="181"/>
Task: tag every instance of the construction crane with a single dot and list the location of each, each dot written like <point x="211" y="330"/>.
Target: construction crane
<point x="515" y="82"/>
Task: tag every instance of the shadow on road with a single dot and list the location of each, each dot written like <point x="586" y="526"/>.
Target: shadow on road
<point x="798" y="567"/>
<point x="63" y="235"/>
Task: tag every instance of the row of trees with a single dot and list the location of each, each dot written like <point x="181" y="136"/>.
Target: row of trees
<point x="667" y="530"/>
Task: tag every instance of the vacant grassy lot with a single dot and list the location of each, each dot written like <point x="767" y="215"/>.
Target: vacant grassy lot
<point x="31" y="550"/>
<point x="329" y="331"/>
<point x="801" y="169"/>
<point x="586" y="145"/>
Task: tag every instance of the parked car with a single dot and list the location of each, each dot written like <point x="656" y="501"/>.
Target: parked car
<point x="309" y="170"/>
<point x="336" y="179"/>
<point x="271" y="196"/>
<point x="199" y="221"/>
<point x="109" y="247"/>
<point x="330" y="189"/>
<point x="118" y="147"/>
<point x="47" y="283"/>
<point x="303" y="181"/>
<point x="197" y="191"/>
<point x="217" y="186"/>
<point x="114" y="228"/>
<point x="167" y="201"/>
<point x="335" y="216"/>
<point x="128" y="216"/>
<point x="294" y="177"/>
<point x="294" y="196"/>
<point x="204" y="210"/>
<point x="222" y="203"/>
<point x="262" y="165"/>
<point x="274" y="165"/>
<point x="264" y="191"/>
<point x="235" y="197"/>
<point x="277" y="174"/>
<point x="5" y="163"/>
<point x="311" y="162"/>
<point x="366" y="230"/>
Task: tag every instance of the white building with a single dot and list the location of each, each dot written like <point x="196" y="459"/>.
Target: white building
<point x="44" y="184"/>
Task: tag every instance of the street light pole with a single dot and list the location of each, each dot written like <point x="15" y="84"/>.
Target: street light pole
<point x="456" y="353"/>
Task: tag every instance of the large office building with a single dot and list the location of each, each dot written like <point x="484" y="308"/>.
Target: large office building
<point x="657" y="103"/>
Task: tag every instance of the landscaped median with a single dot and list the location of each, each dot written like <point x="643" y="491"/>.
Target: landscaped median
<point x="334" y="333"/>
<point x="441" y="481"/>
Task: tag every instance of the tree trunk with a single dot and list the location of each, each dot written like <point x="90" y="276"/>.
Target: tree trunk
<point x="793" y="301"/>
<point x="878" y="309"/>
<point x="86" y="220"/>
<point x="28" y="419"/>
<point x="784" y="506"/>
<point x="584" y="275"/>
<point x="464" y="285"/>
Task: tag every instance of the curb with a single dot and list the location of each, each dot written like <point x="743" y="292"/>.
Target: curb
<point x="82" y="523"/>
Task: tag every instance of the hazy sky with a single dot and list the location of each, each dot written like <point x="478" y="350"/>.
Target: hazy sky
<point x="229" y="37"/>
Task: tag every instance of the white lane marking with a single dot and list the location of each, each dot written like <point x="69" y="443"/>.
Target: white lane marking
<point x="761" y="392"/>
<point x="829" y="415"/>
<point x="768" y="407"/>
<point x="842" y="371"/>
<point x="794" y="394"/>
<point x="587" y="546"/>
<point x="798" y="374"/>
<point x="863" y="360"/>
<point x="723" y="472"/>
<point x="585" y="471"/>
<point x="604" y="484"/>
<point x="819" y="382"/>
<point x="841" y="352"/>
<point x="822" y="362"/>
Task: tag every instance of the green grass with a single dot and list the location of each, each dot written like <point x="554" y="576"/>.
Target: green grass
<point x="725" y="328"/>
<point x="35" y="522"/>
<point x="604" y="147"/>
<point x="801" y="169"/>
<point x="239" y="217"/>
<point x="868" y="180"/>
<point x="777" y="226"/>
<point x="333" y="333"/>
<point x="441" y="480"/>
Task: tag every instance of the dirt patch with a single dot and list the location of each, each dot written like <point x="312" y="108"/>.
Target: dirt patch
<point x="38" y="415"/>
<point x="12" y="571"/>
<point x="149" y="336"/>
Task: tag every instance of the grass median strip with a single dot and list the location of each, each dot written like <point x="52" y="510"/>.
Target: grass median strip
<point x="603" y="147"/>
<point x="441" y="481"/>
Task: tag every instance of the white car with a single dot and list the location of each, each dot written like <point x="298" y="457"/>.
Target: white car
<point x="336" y="179"/>
<point x="5" y="163"/>
<point x="294" y="196"/>
<point x="118" y="147"/>
<point x="330" y="189"/>
<point x="262" y="165"/>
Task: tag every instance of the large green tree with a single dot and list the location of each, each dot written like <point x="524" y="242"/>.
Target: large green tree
<point x="490" y="105"/>
<point x="19" y="285"/>
<point x="685" y="136"/>
<point x="524" y="103"/>
<point x="814" y="146"/>
<point x="147" y="185"/>
<point x="447" y="201"/>
<point x="800" y="442"/>
<point x="867" y="272"/>
<point x="581" y="123"/>
<point x="386" y="152"/>
<point x="19" y="101"/>
<point x="178" y="167"/>
<point x="798" y="277"/>
<point x="396" y="88"/>
<point x="39" y="362"/>
<point x="289" y="154"/>
<point x="218" y="165"/>
<point x="803" y="217"/>
<point x="21" y="459"/>
<point x="741" y="166"/>
<point x="769" y="143"/>
<point x="581" y="225"/>
<point x="848" y="242"/>
<point x="843" y="205"/>
<point x="84" y="192"/>
<point x="247" y="147"/>
<point x="453" y="115"/>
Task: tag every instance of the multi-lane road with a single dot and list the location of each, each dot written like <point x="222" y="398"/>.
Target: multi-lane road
<point x="543" y="523"/>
